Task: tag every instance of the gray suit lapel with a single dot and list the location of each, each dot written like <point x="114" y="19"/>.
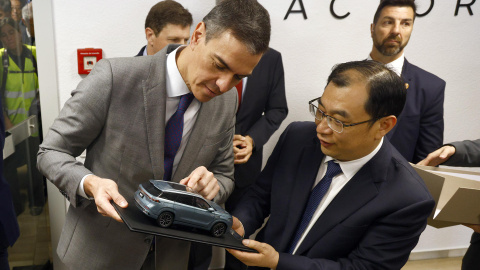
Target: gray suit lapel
<point x="154" y="93"/>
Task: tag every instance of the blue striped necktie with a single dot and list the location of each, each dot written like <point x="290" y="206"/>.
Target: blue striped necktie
<point x="173" y="134"/>
<point x="314" y="200"/>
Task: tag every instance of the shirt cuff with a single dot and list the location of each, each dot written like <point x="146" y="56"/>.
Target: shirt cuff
<point x="81" y="191"/>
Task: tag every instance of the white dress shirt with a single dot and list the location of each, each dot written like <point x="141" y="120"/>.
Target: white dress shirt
<point x="175" y="87"/>
<point x="244" y="86"/>
<point x="349" y="169"/>
<point x="396" y="65"/>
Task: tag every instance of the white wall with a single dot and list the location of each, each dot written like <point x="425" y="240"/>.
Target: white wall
<point x="441" y="43"/>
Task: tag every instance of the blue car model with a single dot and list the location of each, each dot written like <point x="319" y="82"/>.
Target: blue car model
<point x="172" y="203"/>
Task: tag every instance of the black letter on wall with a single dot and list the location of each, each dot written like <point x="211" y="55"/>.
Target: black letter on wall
<point x="464" y="5"/>
<point x="334" y="14"/>
<point x="302" y="10"/>
<point x="432" y="2"/>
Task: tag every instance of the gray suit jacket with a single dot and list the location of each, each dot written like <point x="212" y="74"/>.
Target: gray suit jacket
<point x="117" y="113"/>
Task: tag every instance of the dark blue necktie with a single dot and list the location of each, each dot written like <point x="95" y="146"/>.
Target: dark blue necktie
<point x="173" y="134"/>
<point x="314" y="200"/>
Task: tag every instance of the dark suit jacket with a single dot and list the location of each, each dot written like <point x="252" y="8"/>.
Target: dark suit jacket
<point x="8" y="219"/>
<point x="263" y="108"/>
<point x="373" y="222"/>
<point x="419" y="130"/>
<point x="140" y="53"/>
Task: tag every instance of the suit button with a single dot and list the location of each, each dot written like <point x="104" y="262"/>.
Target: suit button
<point x="147" y="241"/>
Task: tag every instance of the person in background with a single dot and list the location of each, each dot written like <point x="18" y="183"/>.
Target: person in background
<point x="16" y="15"/>
<point x="16" y="9"/>
<point x="168" y="22"/>
<point x="466" y="154"/>
<point x="5" y="9"/>
<point x="419" y="130"/>
<point x="338" y="195"/>
<point x="9" y="231"/>
<point x="28" y="36"/>
<point x="170" y="116"/>
<point x="19" y="91"/>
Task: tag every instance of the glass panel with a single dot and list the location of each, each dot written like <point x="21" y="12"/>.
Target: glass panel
<point x="21" y="116"/>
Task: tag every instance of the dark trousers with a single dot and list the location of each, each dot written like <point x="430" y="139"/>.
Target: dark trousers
<point x="471" y="260"/>
<point x="200" y="256"/>
<point x="3" y="250"/>
<point x="231" y="263"/>
<point x="25" y="153"/>
<point x="149" y="263"/>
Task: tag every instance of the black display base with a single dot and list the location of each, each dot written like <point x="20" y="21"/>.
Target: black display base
<point x="137" y="221"/>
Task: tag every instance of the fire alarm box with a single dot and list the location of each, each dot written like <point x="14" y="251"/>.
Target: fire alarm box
<point x="87" y="58"/>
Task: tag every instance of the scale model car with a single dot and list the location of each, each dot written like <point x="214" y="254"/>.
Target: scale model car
<point x="172" y="203"/>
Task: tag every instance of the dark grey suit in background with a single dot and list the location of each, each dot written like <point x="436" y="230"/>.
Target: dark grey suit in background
<point x="117" y="113"/>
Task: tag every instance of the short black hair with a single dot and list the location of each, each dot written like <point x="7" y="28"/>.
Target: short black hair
<point x="167" y="12"/>
<point x="248" y="21"/>
<point x="386" y="90"/>
<point x="395" y="3"/>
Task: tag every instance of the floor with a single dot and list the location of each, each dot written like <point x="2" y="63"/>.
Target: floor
<point x="435" y="264"/>
<point x="33" y="247"/>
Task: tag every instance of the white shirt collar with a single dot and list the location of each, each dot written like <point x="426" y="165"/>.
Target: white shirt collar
<point x="350" y="168"/>
<point x="396" y="65"/>
<point x="175" y="84"/>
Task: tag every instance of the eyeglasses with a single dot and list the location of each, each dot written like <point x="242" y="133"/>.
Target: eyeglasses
<point x="335" y="124"/>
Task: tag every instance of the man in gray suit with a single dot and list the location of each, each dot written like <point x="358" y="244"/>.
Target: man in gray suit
<point x="465" y="154"/>
<point x="119" y="114"/>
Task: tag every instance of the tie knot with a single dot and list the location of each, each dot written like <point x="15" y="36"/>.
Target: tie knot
<point x="333" y="169"/>
<point x="185" y="101"/>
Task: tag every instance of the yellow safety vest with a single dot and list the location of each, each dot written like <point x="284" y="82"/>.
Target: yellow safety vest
<point x="21" y="87"/>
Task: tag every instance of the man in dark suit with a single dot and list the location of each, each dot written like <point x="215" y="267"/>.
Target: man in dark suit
<point x="121" y="113"/>
<point x="338" y="194"/>
<point x="419" y="130"/>
<point x="168" y="22"/>
<point x="465" y="154"/>
<point x="9" y="230"/>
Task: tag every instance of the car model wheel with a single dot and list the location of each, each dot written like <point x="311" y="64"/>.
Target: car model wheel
<point x="165" y="219"/>
<point x="218" y="229"/>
